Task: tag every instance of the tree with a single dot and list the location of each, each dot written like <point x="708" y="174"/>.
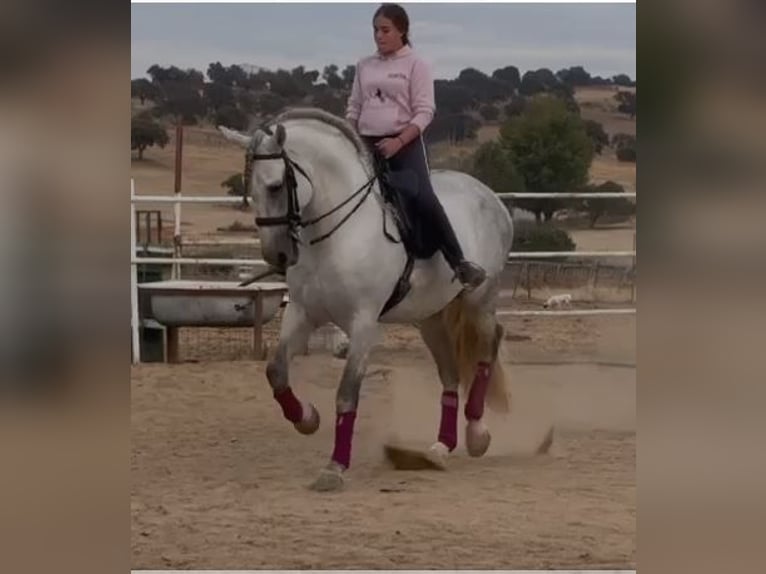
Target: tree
<point x="237" y="76"/>
<point x="623" y="140"/>
<point x="627" y="103"/>
<point x="216" y="73"/>
<point x="599" y="81"/>
<point x="481" y="86"/>
<point x="536" y="81"/>
<point x="182" y="101"/>
<point x="284" y="84"/>
<point x="623" y="80"/>
<point x="489" y="113"/>
<point x="247" y="102"/>
<point x="146" y="132"/>
<point x="270" y="103"/>
<point x="143" y="89"/>
<point x="304" y="79"/>
<point x="349" y="73"/>
<point x="231" y="117"/>
<point x="516" y="107"/>
<point x="330" y="75"/>
<point x="311" y="76"/>
<point x="218" y="96"/>
<point x="257" y="81"/>
<point x="453" y="98"/>
<point x="509" y="76"/>
<point x="551" y="150"/>
<point x="625" y="147"/>
<point x="574" y="76"/>
<point x="541" y="238"/>
<point x="329" y="100"/>
<point x="627" y="154"/>
<point x="230" y="76"/>
<point x="598" y="137"/>
<point x="565" y="93"/>
<point x="235" y="186"/>
<point x="452" y="127"/>
<point x="162" y="76"/>
<point x="180" y="92"/>
<point x="493" y="166"/>
<point x="597" y="207"/>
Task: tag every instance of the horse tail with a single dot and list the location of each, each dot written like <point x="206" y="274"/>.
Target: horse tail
<point x="477" y="336"/>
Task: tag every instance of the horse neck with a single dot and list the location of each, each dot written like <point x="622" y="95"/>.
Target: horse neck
<point x="336" y="173"/>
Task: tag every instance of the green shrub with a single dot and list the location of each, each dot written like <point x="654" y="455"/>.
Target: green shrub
<point x="533" y="237"/>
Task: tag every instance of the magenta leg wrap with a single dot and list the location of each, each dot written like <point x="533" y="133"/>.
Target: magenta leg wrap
<point x="344" y="430"/>
<point x="448" y="425"/>
<point x="291" y="406"/>
<point x="474" y="407"/>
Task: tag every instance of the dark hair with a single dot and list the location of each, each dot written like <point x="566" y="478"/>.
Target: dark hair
<point x="398" y="16"/>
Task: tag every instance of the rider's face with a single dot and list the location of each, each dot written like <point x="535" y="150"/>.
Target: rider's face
<point x="388" y="38"/>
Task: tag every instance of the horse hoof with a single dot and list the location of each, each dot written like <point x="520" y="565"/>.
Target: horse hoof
<point x="477" y="438"/>
<point x="330" y="479"/>
<point x="437" y="455"/>
<point x="310" y="423"/>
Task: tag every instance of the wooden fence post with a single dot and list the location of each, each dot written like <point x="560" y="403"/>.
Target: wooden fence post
<point x="633" y="273"/>
<point x="529" y="285"/>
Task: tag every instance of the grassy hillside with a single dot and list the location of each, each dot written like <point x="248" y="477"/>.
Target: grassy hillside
<point x="209" y="159"/>
<point x="596" y="103"/>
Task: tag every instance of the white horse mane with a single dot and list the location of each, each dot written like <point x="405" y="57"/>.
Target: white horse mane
<point x="331" y="120"/>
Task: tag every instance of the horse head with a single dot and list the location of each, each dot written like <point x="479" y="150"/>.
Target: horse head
<point x="277" y="194"/>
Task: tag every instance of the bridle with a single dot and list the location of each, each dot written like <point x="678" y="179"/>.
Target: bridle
<point x="292" y="218"/>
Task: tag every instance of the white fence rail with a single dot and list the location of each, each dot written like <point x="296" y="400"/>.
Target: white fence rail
<point x="181" y="198"/>
<point x="595" y="194"/>
<point x="546" y="254"/>
<point x="196" y="261"/>
<point x="565" y="312"/>
<point x="177" y="261"/>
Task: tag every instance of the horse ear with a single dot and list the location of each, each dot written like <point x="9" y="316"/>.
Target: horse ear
<point x="281" y="135"/>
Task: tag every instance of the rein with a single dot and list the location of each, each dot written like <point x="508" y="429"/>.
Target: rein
<point x="292" y="218"/>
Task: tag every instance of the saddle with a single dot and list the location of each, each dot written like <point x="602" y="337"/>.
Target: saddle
<point x="400" y="191"/>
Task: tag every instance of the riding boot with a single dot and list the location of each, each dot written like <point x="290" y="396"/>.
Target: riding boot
<point x="429" y="207"/>
<point x="468" y="273"/>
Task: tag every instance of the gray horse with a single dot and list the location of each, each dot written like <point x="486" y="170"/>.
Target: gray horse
<point x="321" y="218"/>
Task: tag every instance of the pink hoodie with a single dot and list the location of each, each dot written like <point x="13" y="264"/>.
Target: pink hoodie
<point x="390" y="92"/>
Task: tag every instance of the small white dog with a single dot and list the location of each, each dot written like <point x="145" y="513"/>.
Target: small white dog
<point x="563" y="300"/>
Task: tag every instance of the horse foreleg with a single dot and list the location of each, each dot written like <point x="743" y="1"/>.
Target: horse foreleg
<point x="362" y="338"/>
<point x="294" y="334"/>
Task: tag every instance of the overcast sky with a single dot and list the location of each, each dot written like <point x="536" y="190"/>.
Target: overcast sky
<point x="600" y="37"/>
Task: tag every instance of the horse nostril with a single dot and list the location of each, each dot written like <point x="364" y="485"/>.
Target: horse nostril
<point x="282" y="258"/>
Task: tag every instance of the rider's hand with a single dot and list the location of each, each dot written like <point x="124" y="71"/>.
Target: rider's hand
<point x="389" y="147"/>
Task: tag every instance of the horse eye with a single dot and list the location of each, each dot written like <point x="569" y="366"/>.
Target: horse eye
<point x="274" y="188"/>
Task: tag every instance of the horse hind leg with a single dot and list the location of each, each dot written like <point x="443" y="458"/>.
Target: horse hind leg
<point x="437" y="340"/>
<point x="477" y="336"/>
<point x="477" y="436"/>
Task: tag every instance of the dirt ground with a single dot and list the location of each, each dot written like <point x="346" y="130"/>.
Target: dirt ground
<point x="219" y="478"/>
